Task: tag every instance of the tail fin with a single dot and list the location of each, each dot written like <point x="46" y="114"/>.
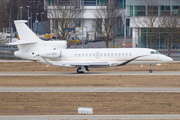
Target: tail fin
<point x="25" y="33"/>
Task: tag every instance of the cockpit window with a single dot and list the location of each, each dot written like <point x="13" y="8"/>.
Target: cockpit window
<point x="157" y="52"/>
<point x="152" y="52"/>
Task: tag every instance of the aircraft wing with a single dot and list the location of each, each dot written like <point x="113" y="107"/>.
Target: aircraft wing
<point x="79" y="64"/>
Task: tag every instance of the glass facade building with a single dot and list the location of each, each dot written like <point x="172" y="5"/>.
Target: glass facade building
<point x="142" y="10"/>
<point x="121" y="3"/>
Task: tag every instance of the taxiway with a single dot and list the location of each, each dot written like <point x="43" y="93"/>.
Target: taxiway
<point x="88" y="73"/>
<point x="90" y="89"/>
<point x="57" y="117"/>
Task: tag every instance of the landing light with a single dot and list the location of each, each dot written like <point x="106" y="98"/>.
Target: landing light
<point x="158" y="64"/>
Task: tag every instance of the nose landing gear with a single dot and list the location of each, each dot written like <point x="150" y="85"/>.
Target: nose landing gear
<point x="150" y="71"/>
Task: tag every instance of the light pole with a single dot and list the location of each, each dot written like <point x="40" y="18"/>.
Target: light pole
<point x="41" y="16"/>
<point x="31" y="22"/>
<point x="21" y="13"/>
<point x="28" y="15"/>
<point x="36" y="21"/>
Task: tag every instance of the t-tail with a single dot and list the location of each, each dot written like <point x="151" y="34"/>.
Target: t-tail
<point x="31" y="47"/>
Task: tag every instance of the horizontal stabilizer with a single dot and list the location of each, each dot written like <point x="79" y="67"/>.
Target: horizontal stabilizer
<point x="22" y="42"/>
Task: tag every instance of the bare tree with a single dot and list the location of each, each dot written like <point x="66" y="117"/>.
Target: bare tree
<point x="3" y="19"/>
<point x="171" y="30"/>
<point x="150" y="25"/>
<point x="64" y="17"/>
<point x="107" y="19"/>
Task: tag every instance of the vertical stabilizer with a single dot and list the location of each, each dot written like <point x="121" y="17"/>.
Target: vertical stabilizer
<point x="25" y="33"/>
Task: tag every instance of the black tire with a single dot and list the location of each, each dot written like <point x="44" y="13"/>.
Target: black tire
<point x="150" y="71"/>
<point x="78" y="71"/>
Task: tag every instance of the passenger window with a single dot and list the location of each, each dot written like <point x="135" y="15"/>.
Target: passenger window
<point x="86" y="55"/>
<point x="93" y="55"/>
<point x="122" y="54"/>
<point x="101" y="54"/>
<point x="115" y="54"/>
<point x="104" y="54"/>
<point x="108" y="54"/>
<point x="129" y="54"/>
<point x="111" y="54"/>
<point x="82" y="55"/>
<point x="75" y="55"/>
<point x="126" y="54"/>
<point x="152" y="52"/>
<point x="79" y="55"/>
<point x="119" y="54"/>
<point x="89" y="54"/>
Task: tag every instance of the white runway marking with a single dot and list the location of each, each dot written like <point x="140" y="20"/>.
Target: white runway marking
<point x="93" y="89"/>
<point x="37" y="90"/>
<point x="56" y="90"/>
<point x="112" y="90"/>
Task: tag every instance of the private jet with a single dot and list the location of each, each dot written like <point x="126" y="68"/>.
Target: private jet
<point x="55" y="53"/>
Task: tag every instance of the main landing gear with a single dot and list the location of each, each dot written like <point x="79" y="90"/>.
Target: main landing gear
<point x="82" y="69"/>
<point x="150" y="70"/>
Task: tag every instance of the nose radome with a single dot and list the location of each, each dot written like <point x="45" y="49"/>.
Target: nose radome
<point x="169" y="59"/>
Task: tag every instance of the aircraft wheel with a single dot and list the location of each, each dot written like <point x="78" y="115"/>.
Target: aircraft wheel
<point x="150" y="71"/>
<point x="78" y="70"/>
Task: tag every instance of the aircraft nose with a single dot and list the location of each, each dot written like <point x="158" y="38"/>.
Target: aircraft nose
<point x="168" y="59"/>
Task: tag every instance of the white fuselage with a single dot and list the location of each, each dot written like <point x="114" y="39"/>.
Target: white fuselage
<point x="112" y="56"/>
<point x="31" y="47"/>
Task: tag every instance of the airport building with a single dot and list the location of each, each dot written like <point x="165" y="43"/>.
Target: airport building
<point x="150" y="19"/>
<point x="89" y="7"/>
<point x="142" y="19"/>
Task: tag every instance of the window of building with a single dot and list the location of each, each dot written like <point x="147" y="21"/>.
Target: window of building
<point x="152" y="10"/>
<point x="175" y="10"/>
<point x="89" y="2"/>
<point x="102" y="2"/>
<point x="164" y="10"/>
<point x="140" y="11"/>
<point x="131" y="10"/>
<point x="78" y="23"/>
<point x="99" y="25"/>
